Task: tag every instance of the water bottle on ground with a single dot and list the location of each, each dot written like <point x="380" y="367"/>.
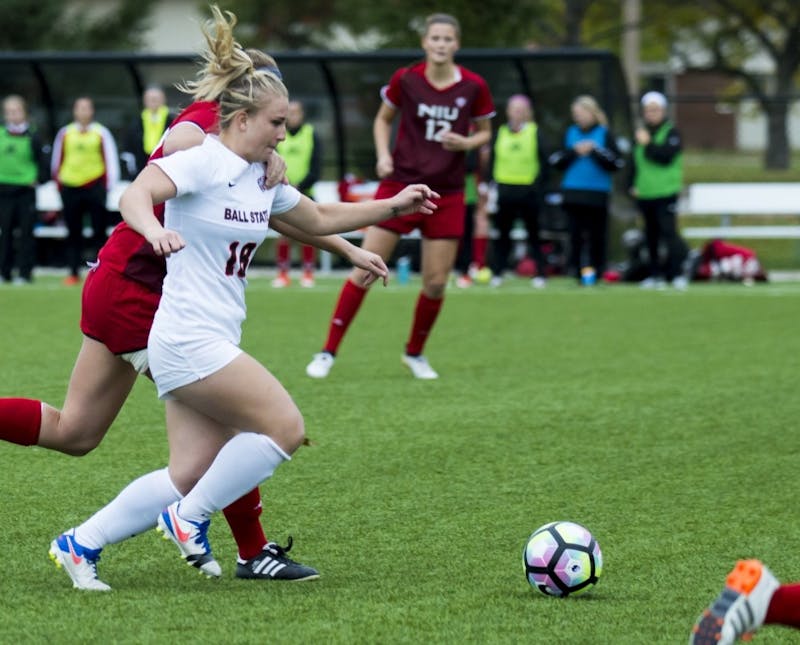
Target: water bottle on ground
<point x="403" y="269"/>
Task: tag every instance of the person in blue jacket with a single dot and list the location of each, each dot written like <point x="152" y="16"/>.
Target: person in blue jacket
<point x="588" y="159"/>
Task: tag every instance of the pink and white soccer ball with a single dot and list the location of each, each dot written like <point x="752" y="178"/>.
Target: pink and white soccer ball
<point x="562" y="559"/>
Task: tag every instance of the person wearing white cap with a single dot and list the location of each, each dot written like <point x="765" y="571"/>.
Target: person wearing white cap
<point x="657" y="180"/>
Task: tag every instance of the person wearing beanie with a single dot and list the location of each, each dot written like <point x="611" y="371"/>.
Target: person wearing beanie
<point x="657" y="179"/>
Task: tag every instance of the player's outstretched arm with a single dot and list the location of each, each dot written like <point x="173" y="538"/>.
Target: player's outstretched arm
<point x="370" y="262"/>
<point x="355" y="255"/>
<point x="324" y="219"/>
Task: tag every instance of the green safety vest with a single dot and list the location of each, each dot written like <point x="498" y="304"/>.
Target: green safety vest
<point x="296" y="151"/>
<point x="470" y="189"/>
<point x="153" y="127"/>
<point x="82" y="156"/>
<point x="654" y="180"/>
<point x="17" y="163"/>
<point x="516" y="155"/>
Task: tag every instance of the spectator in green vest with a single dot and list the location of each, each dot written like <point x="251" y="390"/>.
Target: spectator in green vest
<point x="146" y="130"/>
<point x="518" y="164"/>
<point x="657" y="182"/>
<point x="85" y="164"/>
<point x="21" y="169"/>
<point x="302" y="152"/>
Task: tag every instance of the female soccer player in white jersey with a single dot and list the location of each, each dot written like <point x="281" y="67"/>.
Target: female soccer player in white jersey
<point x="438" y="102"/>
<point x="217" y="216"/>
<point x="119" y="301"/>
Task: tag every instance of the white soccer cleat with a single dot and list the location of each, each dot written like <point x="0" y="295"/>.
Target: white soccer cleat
<point x="681" y="283"/>
<point x="191" y="539"/>
<point x="419" y="367"/>
<point x="79" y="562"/>
<point x="653" y="283"/>
<point x="538" y="282"/>
<point x="320" y="365"/>
<point x="741" y="607"/>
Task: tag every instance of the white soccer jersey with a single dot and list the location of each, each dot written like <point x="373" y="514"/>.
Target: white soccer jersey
<point x="222" y="210"/>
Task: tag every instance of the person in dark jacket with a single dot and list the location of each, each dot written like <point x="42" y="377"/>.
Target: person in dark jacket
<point x="146" y="130"/>
<point x="588" y="159"/>
<point x="22" y="167"/>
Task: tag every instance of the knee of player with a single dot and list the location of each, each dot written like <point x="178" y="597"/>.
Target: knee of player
<point x="298" y="429"/>
<point x="435" y="289"/>
<point x="293" y="430"/>
<point x="184" y="480"/>
<point x="358" y="276"/>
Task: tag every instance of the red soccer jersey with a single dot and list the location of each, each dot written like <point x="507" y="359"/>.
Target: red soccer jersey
<point x="426" y="113"/>
<point x="128" y="252"/>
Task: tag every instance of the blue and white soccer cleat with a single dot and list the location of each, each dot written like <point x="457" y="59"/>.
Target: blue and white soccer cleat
<point x="79" y="562"/>
<point x="191" y="539"/>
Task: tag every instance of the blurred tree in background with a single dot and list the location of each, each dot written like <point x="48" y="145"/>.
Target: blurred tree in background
<point x="756" y="45"/>
<point x="724" y="36"/>
<point x="56" y="25"/>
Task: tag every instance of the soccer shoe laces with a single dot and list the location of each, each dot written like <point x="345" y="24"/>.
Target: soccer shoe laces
<point x="201" y="539"/>
<point x="281" y="551"/>
<point x="92" y="563"/>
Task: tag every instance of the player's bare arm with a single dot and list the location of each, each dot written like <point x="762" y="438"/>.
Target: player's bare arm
<point x="324" y="219"/>
<point x="355" y="255"/>
<point x="275" y="170"/>
<point x="151" y="187"/>
<point x="460" y="143"/>
<point x="183" y="136"/>
<point x="381" y="133"/>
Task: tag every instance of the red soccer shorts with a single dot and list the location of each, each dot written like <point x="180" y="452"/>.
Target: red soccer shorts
<point x="116" y="311"/>
<point x="447" y="221"/>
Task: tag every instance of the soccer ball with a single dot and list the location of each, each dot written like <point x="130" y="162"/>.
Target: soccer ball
<point x="483" y="275"/>
<point x="562" y="559"/>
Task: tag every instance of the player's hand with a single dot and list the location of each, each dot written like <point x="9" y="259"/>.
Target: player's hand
<point x="416" y="198"/>
<point x="385" y="166"/>
<point x="455" y="142"/>
<point x="372" y="264"/>
<point x="164" y="241"/>
<point x="275" y="170"/>
<point x="642" y="136"/>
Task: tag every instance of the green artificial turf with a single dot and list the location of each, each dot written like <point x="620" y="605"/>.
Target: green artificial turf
<point x="665" y="422"/>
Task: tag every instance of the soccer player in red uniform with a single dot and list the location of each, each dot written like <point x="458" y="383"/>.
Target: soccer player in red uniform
<point x="437" y="101"/>
<point x="119" y="300"/>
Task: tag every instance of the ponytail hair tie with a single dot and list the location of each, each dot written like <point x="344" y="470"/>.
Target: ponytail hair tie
<point x="272" y="70"/>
